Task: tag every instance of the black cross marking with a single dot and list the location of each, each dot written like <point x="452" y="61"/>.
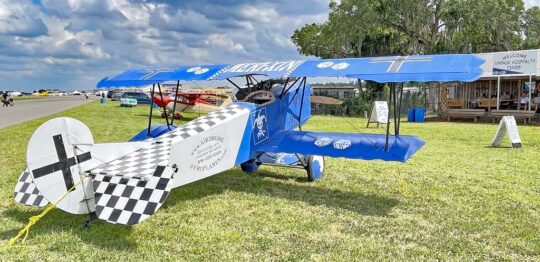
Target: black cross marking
<point x="154" y="72"/>
<point x="64" y="163"/>
<point x="397" y="62"/>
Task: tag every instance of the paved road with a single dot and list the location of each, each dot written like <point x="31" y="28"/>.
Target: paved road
<point x="36" y="108"/>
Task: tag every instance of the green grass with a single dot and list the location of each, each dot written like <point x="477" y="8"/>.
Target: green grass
<point x="456" y="199"/>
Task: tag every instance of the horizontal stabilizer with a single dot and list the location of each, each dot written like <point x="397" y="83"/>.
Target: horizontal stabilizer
<point x="26" y="192"/>
<point x="105" y="153"/>
<point x="130" y="200"/>
<point x="356" y="146"/>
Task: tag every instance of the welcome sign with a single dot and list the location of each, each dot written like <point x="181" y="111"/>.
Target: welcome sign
<point x="512" y="63"/>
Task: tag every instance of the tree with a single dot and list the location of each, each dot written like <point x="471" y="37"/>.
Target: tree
<point x="531" y="27"/>
<point x="397" y="27"/>
<point x="485" y="26"/>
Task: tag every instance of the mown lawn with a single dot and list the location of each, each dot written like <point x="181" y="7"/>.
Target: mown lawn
<point x="456" y="199"/>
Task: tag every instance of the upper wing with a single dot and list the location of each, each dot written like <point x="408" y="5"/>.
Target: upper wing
<point x="445" y="68"/>
<point x="356" y="146"/>
<point x="190" y="96"/>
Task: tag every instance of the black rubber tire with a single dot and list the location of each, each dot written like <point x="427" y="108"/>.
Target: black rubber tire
<point x="312" y="173"/>
<point x="250" y="166"/>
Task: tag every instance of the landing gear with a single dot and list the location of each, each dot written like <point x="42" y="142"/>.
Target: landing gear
<point x="314" y="166"/>
<point x="176" y="115"/>
<point x="250" y="166"/>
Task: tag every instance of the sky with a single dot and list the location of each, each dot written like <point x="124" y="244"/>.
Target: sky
<point x="72" y="44"/>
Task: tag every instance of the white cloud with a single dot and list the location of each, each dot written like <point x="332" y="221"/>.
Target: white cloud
<point x="224" y="41"/>
<point x="20" y="18"/>
<point x="62" y="43"/>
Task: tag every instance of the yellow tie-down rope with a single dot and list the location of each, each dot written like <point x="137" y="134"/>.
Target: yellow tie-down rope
<point x="35" y="219"/>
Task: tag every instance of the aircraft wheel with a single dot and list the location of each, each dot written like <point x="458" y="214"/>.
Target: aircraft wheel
<point x="163" y="115"/>
<point x="315" y="167"/>
<point x="250" y="166"/>
<point x="177" y="116"/>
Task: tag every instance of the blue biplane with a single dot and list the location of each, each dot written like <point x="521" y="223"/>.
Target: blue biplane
<point x="126" y="183"/>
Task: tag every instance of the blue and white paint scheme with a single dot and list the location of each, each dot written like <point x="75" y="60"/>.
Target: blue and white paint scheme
<point x="420" y="68"/>
<point x="126" y="183"/>
<point x="268" y="134"/>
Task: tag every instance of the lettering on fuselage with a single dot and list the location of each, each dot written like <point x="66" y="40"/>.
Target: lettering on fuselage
<point x="208" y="153"/>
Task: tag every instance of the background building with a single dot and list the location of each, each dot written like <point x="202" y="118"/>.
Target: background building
<point x="336" y="90"/>
<point x="506" y="76"/>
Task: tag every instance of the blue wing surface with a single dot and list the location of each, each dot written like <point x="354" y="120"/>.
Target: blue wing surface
<point x="347" y="145"/>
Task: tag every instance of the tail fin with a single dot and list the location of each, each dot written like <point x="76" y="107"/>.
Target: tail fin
<point x="59" y="154"/>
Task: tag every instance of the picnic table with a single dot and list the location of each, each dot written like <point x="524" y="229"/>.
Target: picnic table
<point x="464" y="113"/>
<point x="524" y="115"/>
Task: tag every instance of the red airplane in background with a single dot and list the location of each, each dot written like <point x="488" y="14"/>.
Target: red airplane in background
<point x="197" y="102"/>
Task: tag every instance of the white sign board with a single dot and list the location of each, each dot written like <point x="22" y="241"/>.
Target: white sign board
<point x="379" y="113"/>
<point x="507" y="125"/>
<point x="512" y="63"/>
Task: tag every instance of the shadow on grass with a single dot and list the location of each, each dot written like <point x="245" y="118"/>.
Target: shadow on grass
<point x="499" y="147"/>
<point x="280" y="186"/>
<point x="104" y="235"/>
<point x="112" y="237"/>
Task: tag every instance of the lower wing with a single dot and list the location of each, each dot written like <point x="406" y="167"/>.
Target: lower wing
<point x="347" y="145"/>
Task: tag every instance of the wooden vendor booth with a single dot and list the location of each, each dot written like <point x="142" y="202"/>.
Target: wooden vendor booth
<point x="510" y="85"/>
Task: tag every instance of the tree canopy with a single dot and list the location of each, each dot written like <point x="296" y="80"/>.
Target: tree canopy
<point x="401" y="27"/>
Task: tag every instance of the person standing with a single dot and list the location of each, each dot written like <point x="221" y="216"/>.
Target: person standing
<point x="10" y="99"/>
<point x="5" y="100"/>
<point x="524" y="100"/>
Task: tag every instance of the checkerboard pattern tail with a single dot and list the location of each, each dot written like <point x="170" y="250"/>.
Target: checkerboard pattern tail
<point x="26" y="192"/>
<point x="130" y="200"/>
<point x="143" y="162"/>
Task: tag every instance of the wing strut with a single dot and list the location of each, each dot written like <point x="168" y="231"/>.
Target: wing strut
<point x="151" y="107"/>
<point x="285" y="89"/>
<point x="392" y="90"/>
<point x="393" y="99"/>
<point x="303" y="83"/>
<point x="253" y="80"/>
<point x="175" y="99"/>
<point x="398" y="123"/>
<point x="233" y="83"/>
<point x="164" y="107"/>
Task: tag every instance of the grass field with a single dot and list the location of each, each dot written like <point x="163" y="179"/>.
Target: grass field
<point x="456" y="199"/>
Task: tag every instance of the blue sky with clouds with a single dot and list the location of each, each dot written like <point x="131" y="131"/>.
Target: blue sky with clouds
<point x="72" y="44"/>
